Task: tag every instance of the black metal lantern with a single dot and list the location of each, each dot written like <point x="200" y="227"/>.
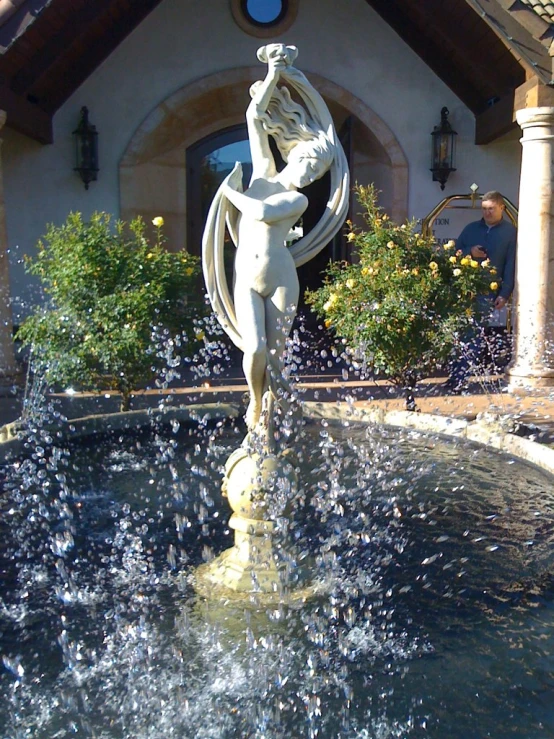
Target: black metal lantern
<point x="86" y="149"/>
<point x="444" y="141"/>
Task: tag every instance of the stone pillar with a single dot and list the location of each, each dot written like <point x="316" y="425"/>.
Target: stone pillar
<point x="10" y="371"/>
<point x="533" y="362"/>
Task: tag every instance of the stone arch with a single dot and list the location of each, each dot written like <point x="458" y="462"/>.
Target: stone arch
<point x="152" y="170"/>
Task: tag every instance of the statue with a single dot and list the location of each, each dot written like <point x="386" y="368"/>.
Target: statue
<point x="259" y="316"/>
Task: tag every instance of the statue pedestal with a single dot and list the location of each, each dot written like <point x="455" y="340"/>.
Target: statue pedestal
<point x="255" y="564"/>
<point x="251" y="564"/>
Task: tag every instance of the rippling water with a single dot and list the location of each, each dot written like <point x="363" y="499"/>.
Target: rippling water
<point x="437" y="618"/>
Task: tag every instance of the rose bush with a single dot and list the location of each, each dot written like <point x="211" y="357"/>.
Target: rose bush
<point x="108" y="290"/>
<point x="403" y="303"/>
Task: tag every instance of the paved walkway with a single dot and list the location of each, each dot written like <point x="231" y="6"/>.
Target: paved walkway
<point x="535" y="410"/>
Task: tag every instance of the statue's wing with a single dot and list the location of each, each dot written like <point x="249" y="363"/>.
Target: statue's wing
<point x="337" y="206"/>
<point x="213" y="263"/>
<point x="232" y="217"/>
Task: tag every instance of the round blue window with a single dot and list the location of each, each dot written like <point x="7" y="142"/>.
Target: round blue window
<point x="264" y="12"/>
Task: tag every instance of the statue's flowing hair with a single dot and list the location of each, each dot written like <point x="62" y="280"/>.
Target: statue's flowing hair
<point x="291" y="126"/>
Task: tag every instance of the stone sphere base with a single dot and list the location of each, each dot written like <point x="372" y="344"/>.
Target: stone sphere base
<point x="254" y="564"/>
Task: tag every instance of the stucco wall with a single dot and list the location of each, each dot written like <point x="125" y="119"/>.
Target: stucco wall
<point x="186" y="40"/>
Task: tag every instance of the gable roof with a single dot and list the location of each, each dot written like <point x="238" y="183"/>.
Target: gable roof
<point x="482" y="49"/>
<point x="48" y="48"/>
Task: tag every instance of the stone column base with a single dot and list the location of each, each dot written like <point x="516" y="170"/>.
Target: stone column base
<point x="529" y="379"/>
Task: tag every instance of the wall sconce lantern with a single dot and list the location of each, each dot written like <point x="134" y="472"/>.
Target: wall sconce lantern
<point x="444" y="141"/>
<point x="86" y="149"/>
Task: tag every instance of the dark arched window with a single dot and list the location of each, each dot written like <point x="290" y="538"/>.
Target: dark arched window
<point x="209" y="161"/>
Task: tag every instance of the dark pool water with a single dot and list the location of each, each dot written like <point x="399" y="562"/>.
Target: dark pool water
<point x="437" y="617"/>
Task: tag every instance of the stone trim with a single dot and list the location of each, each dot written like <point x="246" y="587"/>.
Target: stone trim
<point x="488" y="429"/>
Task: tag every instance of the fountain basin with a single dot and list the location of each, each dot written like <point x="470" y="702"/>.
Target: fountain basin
<point x="435" y="617"/>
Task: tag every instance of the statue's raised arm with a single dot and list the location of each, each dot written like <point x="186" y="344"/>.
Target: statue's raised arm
<point x="259" y="316"/>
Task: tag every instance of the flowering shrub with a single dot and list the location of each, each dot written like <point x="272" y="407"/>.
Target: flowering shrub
<point x="108" y="289"/>
<point x="401" y="306"/>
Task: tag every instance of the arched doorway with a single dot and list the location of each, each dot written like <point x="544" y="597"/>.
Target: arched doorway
<point x="179" y="155"/>
<point x="153" y="170"/>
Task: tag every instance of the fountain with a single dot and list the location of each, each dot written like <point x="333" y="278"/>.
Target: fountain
<point x="434" y="555"/>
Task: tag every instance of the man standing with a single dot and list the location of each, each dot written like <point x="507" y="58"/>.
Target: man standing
<point x="494" y="238"/>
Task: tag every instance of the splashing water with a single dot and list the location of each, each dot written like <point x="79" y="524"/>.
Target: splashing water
<point x="434" y="616"/>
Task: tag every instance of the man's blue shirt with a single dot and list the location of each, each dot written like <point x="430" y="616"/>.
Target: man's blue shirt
<point x="500" y="243"/>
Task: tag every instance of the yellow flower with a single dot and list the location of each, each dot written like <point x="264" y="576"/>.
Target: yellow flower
<point x="449" y="244"/>
<point x="351" y="236"/>
<point x="415" y="271"/>
<point x="350" y="283"/>
<point x="465" y="261"/>
<point x="158" y="221"/>
<point x="149" y="255"/>
<point x="474" y="263"/>
<point x="493" y="271"/>
<point x="330" y="302"/>
<point x="377" y="221"/>
<point x="366" y="271"/>
<point x="189" y="272"/>
<point x="453" y="259"/>
<point x="457" y="272"/>
<point x="328" y="323"/>
<point x="199" y="335"/>
<point x="494" y="286"/>
<point x="391" y="244"/>
<point x="385" y="217"/>
<point x="433" y="265"/>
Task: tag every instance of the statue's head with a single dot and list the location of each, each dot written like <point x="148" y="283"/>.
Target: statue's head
<point x="282" y="52"/>
<point x="309" y="160"/>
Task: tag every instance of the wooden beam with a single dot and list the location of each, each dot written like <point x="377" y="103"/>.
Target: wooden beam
<point x="501" y="117"/>
<point x="529" y="52"/>
<point x="533" y="94"/>
<point x="39" y="65"/>
<point x="453" y="38"/>
<point x="26" y="117"/>
<point x="495" y="121"/>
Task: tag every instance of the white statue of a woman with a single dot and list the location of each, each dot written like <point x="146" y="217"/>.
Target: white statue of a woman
<point x="266" y="289"/>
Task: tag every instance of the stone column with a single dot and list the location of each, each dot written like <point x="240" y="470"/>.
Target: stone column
<point x="10" y="371"/>
<point x="533" y="362"/>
